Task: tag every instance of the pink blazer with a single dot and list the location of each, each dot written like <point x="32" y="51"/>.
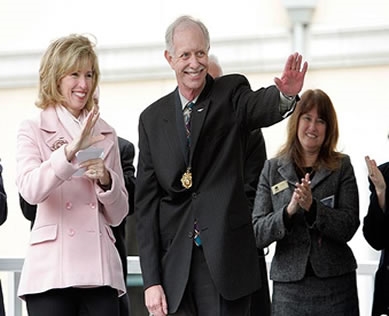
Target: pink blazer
<point x="71" y="242"/>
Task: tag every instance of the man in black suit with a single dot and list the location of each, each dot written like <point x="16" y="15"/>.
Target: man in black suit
<point x="190" y="180"/>
<point x="3" y="217"/>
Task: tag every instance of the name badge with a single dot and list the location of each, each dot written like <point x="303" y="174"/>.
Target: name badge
<point x="277" y="188"/>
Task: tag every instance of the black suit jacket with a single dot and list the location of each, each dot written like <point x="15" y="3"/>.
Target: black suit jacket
<point x="255" y="158"/>
<point x="127" y="153"/>
<point x="226" y="110"/>
<point x="376" y="232"/>
<point x="3" y="200"/>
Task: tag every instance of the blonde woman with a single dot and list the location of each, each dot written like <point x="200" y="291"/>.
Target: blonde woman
<point x="71" y="262"/>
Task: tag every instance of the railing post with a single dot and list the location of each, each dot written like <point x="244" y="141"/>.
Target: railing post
<point x="14" y="302"/>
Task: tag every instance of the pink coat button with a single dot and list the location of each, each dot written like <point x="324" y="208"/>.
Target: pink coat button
<point x="69" y="205"/>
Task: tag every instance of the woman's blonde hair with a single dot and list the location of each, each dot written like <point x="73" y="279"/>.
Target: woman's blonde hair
<point x="64" y="56"/>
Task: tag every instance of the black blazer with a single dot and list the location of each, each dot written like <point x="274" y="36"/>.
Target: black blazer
<point x="127" y="153"/>
<point x="324" y="240"/>
<point x="3" y="200"/>
<point x="225" y="112"/>
<point x="255" y="158"/>
<point x="376" y="232"/>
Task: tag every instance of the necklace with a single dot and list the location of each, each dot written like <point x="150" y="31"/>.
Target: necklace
<point x="310" y="172"/>
<point x="302" y="171"/>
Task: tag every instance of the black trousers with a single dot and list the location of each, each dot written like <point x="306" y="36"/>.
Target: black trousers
<point x="124" y="305"/>
<point x="100" y="301"/>
<point x="201" y="297"/>
<point x="260" y="299"/>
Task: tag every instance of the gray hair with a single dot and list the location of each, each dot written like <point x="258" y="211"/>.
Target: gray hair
<point x="212" y="58"/>
<point x="185" y="19"/>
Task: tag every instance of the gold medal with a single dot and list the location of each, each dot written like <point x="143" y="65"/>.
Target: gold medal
<point x="186" y="179"/>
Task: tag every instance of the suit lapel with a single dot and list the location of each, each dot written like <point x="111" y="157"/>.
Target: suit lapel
<point x="54" y="134"/>
<point x="174" y="127"/>
<point x="319" y="176"/>
<point x="198" y="118"/>
<point x="287" y="171"/>
<point x="174" y="119"/>
<point x="199" y="114"/>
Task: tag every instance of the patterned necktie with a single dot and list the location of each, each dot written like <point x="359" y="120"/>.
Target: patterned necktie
<point x="187" y="118"/>
<point x="196" y="237"/>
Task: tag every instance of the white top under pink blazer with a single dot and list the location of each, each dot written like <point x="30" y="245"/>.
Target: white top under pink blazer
<point x="71" y="242"/>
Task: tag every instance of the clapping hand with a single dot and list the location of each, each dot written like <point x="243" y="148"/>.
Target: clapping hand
<point x="375" y="175"/>
<point x="302" y="196"/>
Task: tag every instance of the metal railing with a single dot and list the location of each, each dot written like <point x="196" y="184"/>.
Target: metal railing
<point x="13" y="266"/>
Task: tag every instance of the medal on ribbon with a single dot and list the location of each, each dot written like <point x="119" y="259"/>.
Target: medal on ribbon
<point x="186" y="179"/>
